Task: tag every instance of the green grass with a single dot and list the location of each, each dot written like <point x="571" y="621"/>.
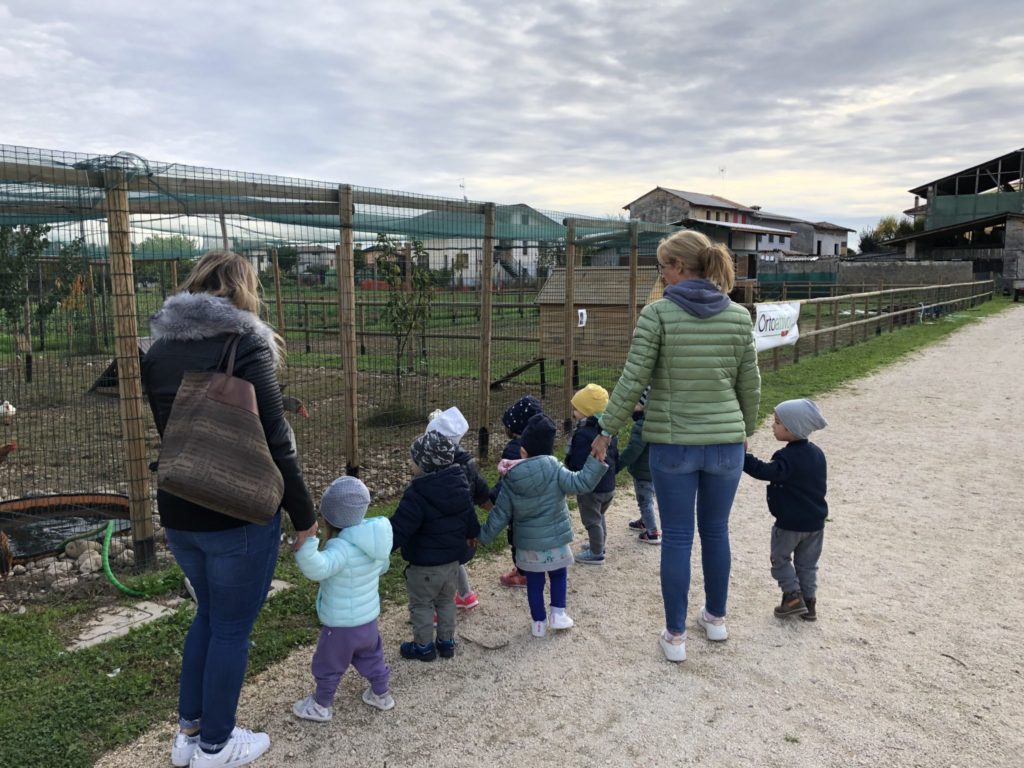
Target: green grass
<point x="64" y="709"/>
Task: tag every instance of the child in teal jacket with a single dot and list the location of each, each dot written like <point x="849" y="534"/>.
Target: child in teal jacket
<point x="533" y="498"/>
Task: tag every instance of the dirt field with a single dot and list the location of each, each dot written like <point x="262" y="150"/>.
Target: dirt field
<point x="915" y="660"/>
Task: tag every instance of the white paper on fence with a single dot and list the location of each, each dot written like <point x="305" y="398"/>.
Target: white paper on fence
<point x="582" y="313"/>
<point x="776" y="325"/>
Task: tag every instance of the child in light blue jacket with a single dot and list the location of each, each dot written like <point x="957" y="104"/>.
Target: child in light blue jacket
<point x="348" y="568"/>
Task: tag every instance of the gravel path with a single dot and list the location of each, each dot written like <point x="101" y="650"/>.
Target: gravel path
<point x="915" y="660"/>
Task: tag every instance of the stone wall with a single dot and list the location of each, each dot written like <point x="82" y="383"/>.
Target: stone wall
<point x="905" y="272"/>
<point x="660" y="207"/>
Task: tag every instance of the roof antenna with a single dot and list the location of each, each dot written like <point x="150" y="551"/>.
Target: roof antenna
<point x="462" y="186"/>
<point x="721" y="177"/>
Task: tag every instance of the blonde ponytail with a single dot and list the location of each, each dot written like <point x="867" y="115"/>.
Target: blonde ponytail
<point x="698" y="255"/>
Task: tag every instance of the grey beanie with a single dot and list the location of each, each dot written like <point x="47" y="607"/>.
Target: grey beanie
<point x="801" y="417"/>
<point x="344" y="502"/>
<point x="432" y="451"/>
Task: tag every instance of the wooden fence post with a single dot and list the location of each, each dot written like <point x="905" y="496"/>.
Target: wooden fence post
<point x="345" y="269"/>
<point x="569" y="321"/>
<point x="277" y="292"/>
<point x="132" y="408"/>
<point x="486" y="307"/>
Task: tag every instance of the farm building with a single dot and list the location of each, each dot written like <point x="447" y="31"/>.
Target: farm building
<point x="974" y="215"/>
<point x="603" y="334"/>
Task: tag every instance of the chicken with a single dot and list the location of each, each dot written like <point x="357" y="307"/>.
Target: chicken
<point x="294" y="405"/>
<point x="6" y="449"/>
<point x="7" y="411"/>
<point x="6" y="556"/>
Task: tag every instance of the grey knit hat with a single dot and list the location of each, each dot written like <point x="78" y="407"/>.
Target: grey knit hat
<point x="344" y="502"/>
<point x="432" y="451"/>
<point x="801" y="417"/>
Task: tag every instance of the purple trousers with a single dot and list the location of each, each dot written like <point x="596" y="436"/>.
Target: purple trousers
<point x="338" y="647"/>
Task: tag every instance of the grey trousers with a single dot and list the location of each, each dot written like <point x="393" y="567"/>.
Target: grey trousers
<point x="592" y="509"/>
<point x="795" y="559"/>
<point x="432" y="588"/>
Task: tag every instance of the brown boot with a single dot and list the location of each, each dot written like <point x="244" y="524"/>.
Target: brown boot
<point x="810" y="615"/>
<point x="792" y="605"/>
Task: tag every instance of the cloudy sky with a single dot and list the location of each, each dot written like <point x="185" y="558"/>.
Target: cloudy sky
<point x="825" y="110"/>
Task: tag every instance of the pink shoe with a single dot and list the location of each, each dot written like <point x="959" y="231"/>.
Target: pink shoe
<point x="466" y="601"/>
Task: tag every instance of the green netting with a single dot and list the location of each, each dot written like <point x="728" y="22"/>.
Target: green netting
<point x="947" y="210"/>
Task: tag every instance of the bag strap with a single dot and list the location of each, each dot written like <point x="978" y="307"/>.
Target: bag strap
<point x="230" y="347"/>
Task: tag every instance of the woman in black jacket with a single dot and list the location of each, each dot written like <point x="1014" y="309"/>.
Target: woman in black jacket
<point x="228" y="561"/>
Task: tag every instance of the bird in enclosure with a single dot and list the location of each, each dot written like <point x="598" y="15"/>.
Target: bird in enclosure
<point x="6" y="556"/>
<point x="7" y="411"/>
<point x="7" y="449"/>
<point x="294" y="405"/>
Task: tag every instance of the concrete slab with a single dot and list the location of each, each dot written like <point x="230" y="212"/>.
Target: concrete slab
<point x="115" y="622"/>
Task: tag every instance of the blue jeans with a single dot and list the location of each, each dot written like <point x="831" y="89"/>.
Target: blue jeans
<point x="705" y="478"/>
<point x="535" y="591"/>
<point x="644" y="490"/>
<point x="230" y="572"/>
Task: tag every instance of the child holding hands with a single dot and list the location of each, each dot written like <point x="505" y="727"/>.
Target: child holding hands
<point x="797" y="483"/>
<point x="533" y="498"/>
<point x="348" y="568"/>
<point x="588" y="406"/>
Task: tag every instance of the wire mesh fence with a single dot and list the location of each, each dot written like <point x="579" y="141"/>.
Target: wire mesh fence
<point x="391" y="305"/>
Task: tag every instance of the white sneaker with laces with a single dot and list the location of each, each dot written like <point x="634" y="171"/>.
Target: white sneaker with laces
<point x="184" y="746"/>
<point x="383" y="702"/>
<point x="308" y="709"/>
<point x="714" y="626"/>
<point x="560" y="620"/>
<point x="538" y="629"/>
<point x="673" y="646"/>
<point x="242" y="748"/>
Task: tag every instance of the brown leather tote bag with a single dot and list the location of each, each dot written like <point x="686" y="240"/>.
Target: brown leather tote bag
<point x="214" y="451"/>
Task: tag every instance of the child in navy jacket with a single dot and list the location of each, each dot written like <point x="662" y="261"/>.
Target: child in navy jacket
<point x="588" y="405"/>
<point x="797" y="484"/>
<point x="432" y="525"/>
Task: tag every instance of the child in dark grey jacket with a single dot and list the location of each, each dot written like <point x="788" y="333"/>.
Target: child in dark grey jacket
<point x="797" y="484"/>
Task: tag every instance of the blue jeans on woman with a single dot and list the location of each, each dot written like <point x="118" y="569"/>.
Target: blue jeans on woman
<point x="230" y="572"/>
<point x="705" y="478"/>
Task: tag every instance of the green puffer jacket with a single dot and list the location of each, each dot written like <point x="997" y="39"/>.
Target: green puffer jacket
<point x="705" y="384"/>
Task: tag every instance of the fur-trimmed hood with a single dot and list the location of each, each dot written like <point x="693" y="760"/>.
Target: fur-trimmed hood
<point x="194" y="316"/>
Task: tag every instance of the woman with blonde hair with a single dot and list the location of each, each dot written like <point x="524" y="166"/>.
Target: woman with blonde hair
<point x="696" y="349"/>
<point x="229" y="562"/>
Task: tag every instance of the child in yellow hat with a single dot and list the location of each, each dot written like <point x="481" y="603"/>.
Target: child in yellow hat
<point x="588" y="405"/>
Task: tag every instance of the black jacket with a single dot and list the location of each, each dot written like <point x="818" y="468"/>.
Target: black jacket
<point x="435" y="517"/>
<point x="797" y="483"/>
<point x="478" y="486"/>
<point x="579" y="448"/>
<point x="189" y="334"/>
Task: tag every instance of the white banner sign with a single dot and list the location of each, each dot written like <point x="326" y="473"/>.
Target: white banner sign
<point x="776" y="325"/>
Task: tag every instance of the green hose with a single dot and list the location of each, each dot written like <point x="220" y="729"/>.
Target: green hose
<point x="82" y="535"/>
<point x="106" y="565"/>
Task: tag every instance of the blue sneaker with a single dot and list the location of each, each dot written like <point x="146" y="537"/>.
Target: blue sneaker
<point x="446" y="648"/>
<point x="413" y="650"/>
<point x="586" y="557"/>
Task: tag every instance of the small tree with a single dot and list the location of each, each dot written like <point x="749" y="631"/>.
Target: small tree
<point x="407" y="309"/>
<point x="20" y="249"/>
<point x="287" y="258"/>
<point x="157" y="248"/>
<point x="66" y="282"/>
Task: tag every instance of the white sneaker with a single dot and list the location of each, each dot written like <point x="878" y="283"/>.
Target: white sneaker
<point x="383" y="702"/>
<point x="538" y="629"/>
<point x="242" y="748"/>
<point x="714" y="626"/>
<point x="184" y="746"/>
<point x="673" y="646"/>
<point x="560" y="620"/>
<point x="308" y="709"/>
